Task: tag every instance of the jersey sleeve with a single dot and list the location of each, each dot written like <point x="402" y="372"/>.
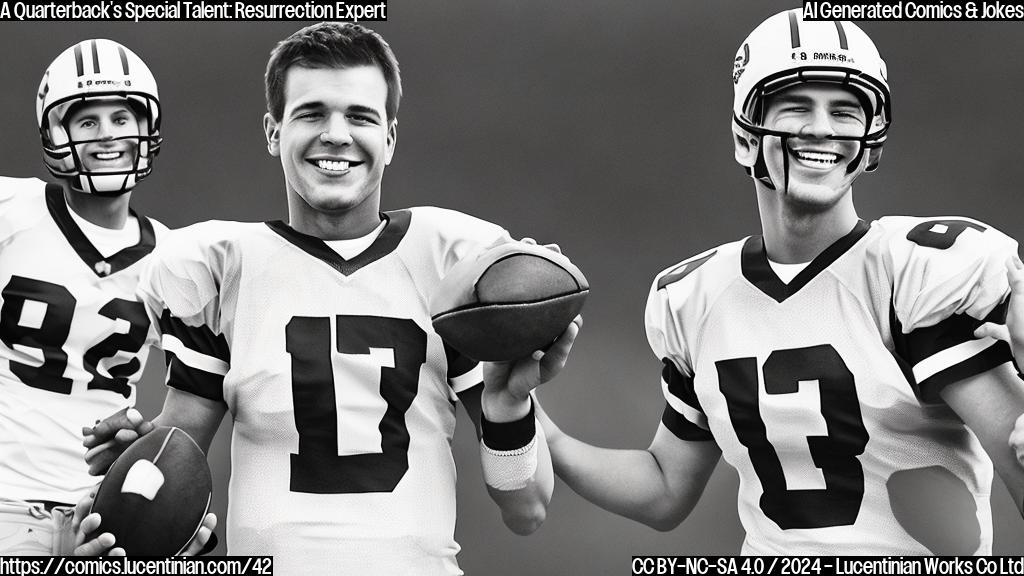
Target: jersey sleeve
<point x="180" y="288"/>
<point x="949" y="278"/>
<point x="683" y="414"/>
<point x="15" y="211"/>
<point x="463" y="372"/>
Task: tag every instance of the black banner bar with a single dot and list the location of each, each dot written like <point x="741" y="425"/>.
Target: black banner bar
<point x="816" y="565"/>
<point x="136" y="565"/>
<point x="193" y="10"/>
<point x="907" y="10"/>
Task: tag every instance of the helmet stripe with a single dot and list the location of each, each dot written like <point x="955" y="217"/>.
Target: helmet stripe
<point x="95" y="58"/>
<point x="78" y="60"/>
<point x="124" y="59"/>
<point x="794" y="29"/>
<point x="842" y="35"/>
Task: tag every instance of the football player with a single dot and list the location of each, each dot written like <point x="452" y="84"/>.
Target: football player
<point x="74" y="336"/>
<point x="315" y="335"/>
<point x="831" y="361"/>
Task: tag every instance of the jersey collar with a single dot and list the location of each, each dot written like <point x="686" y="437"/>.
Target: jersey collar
<point x="101" y="266"/>
<point x="757" y="271"/>
<point x="389" y="238"/>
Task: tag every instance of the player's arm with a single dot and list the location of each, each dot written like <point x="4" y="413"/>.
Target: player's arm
<point x="1013" y="333"/>
<point x="199" y="417"/>
<point x="196" y="415"/>
<point x="514" y="454"/>
<point x="990" y="403"/>
<point x="524" y="506"/>
<point x="658" y="486"/>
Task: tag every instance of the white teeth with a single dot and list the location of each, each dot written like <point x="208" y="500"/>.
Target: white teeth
<point x="332" y="165"/>
<point x="108" y="155"/>
<point x="817" y="157"/>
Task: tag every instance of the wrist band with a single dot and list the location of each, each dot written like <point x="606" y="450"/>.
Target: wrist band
<point x="504" y="436"/>
<point x="511" y="469"/>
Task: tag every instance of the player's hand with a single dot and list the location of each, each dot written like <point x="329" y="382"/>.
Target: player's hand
<point x="552" y="247"/>
<point x="109" y="438"/>
<point x="1013" y="330"/>
<point x="507" y="385"/>
<point x="202" y="537"/>
<point x="85" y="524"/>
<point x="1017" y="439"/>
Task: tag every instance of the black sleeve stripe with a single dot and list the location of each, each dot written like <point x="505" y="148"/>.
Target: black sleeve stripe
<point x="679" y="385"/>
<point x="192" y="380"/>
<point x="923" y="343"/>
<point x="198" y="338"/>
<point x="998" y="314"/>
<point x="458" y="364"/>
<point x="995" y="355"/>
<point x="926" y="342"/>
<point x="683" y="428"/>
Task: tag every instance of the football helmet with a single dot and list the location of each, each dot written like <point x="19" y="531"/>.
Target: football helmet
<point x="785" y="50"/>
<point x="95" y="70"/>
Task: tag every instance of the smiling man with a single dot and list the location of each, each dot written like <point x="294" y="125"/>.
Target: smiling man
<point x="315" y="335"/>
<point x="74" y="336"/>
<point x="831" y="361"/>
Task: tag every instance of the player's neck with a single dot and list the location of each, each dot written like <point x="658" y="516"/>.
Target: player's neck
<point x="355" y="222"/>
<point x="108" y="212"/>
<point x="793" y="236"/>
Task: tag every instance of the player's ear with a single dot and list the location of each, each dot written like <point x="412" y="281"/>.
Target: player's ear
<point x="745" y="146"/>
<point x="392" y="140"/>
<point x="874" y="155"/>
<point x="272" y="130"/>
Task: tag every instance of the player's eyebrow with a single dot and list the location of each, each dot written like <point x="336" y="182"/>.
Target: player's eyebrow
<point x="838" y="102"/>
<point x="791" y="99"/>
<point x="367" y="110"/>
<point x="353" y="108"/>
<point x="306" y="107"/>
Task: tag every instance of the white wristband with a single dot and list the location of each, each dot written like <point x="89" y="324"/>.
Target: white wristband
<point x="508" y="470"/>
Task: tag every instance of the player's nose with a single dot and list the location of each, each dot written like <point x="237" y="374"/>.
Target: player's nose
<point x="818" y="124"/>
<point x="105" y="130"/>
<point x="336" y="131"/>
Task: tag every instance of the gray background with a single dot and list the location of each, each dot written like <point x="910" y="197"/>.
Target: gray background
<point x="602" y="125"/>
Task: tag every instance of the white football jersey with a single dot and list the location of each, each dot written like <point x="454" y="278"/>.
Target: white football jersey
<point x="823" y="393"/>
<point x="73" y="339"/>
<point x="343" y="396"/>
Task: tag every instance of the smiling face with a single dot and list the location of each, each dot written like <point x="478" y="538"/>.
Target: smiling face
<point x="110" y="130"/>
<point x="816" y="177"/>
<point x="334" y="139"/>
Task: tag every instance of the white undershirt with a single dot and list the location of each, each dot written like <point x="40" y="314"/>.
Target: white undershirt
<point x="108" y="240"/>
<point x="352" y="247"/>
<point x="786" y="272"/>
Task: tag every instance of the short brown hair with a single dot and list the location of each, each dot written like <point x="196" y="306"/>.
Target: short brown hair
<point x="331" y="45"/>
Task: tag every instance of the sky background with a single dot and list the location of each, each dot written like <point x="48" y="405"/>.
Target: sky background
<point x="597" y="124"/>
